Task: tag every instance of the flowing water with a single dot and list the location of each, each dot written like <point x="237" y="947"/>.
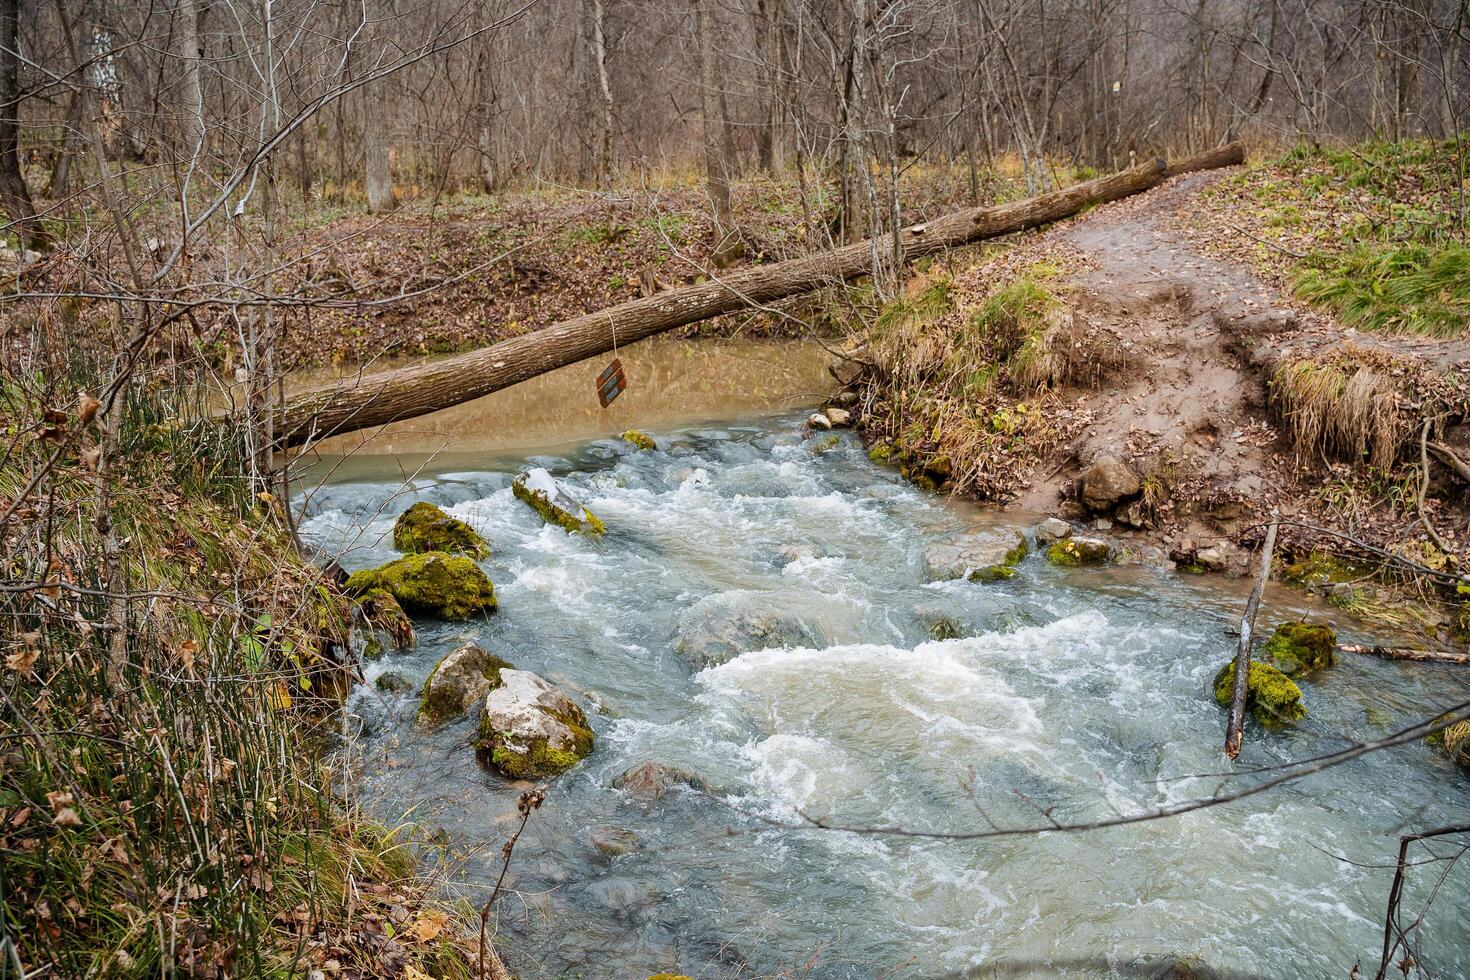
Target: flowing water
<point x="1072" y="695"/>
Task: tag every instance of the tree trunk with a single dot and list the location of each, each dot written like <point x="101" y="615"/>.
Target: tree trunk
<point x="411" y="392"/>
<point x="375" y="148"/>
<point x="716" y="164"/>
<point x="14" y="194"/>
<point x="604" y="85"/>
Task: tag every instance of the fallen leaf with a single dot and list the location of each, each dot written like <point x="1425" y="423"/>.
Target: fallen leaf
<point x="427" y="926"/>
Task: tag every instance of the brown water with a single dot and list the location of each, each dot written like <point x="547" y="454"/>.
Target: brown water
<point x="671" y="383"/>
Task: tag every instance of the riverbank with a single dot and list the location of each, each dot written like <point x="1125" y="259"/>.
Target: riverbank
<point x="173" y="673"/>
<point x="1118" y="372"/>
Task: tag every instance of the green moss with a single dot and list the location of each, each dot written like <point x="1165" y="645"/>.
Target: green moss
<point x="1018" y="554"/>
<point x="541" y="759"/>
<point x="1273" y="697"/>
<point x="639" y="439"/>
<point x="826" y="444"/>
<point x="424" y="527"/>
<point x="993" y="573"/>
<point x="1192" y="568"/>
<point x="881" y="452"/>
<point x="588" y="523"/>
<point x="1077" y="551"/>
<point x="1321" y="567"/>
<point x="451" y="587"/>
<point x="1299" y="647"/>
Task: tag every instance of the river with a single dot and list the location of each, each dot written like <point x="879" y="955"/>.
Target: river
<point x="1072" y="695"/>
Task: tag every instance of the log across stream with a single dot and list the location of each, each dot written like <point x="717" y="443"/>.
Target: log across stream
<point x="759" y="615"/>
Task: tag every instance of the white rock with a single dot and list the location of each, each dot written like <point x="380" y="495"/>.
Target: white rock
<point x="525" y="714"/>
<point x="819" y="421"/>
<point x="1052" y="529"/>
<point x="839" y="416"/>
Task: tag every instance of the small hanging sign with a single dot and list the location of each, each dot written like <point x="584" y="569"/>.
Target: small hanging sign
<point x="611" y="382"/>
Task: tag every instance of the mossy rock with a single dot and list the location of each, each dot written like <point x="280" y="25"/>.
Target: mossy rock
<point x="392" y="682"/>
<point x="538" y="490"/>
<point x="424" y="527"/>
<point x="450" y="587"/>
<point x="827" y="443"/>
<point x="1321" y="567"/>
<point x="531" y="730"/>
<point x="1453" y="739"/>
<point x="640" y="440"/>
<point x="945" y="628"/>
<point x="385" y="613"/>
<point x="1300" y="647"/>
<point x="1077" y="551"/>
<point x="465" y="675"/>
<point x="993" y="573"/>
<point x="1273" y="698"/>
<point x="881" y="452"/>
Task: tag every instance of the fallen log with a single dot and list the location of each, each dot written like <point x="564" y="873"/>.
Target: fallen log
<point x="1407" y="653"/>
<point x="375" y="399"/>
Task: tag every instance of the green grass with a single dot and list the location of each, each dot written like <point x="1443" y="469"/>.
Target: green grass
<point x="1376" y="232"/>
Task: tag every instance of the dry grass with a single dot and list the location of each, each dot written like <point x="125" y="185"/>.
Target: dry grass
<point x="1340" y="408"/>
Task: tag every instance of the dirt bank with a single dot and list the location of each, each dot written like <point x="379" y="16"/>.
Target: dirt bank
<point x="1224" y="397"/>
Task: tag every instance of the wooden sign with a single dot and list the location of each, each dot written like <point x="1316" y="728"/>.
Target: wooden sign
<point x="611" y="382"/>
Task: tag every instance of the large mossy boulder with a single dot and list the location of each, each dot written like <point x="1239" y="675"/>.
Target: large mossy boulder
<point x="531" y="730"/>
<point x="424" y="527"/>
<point x="434" y="584"/>
<point x="540" y="491"/>
<point x="1077" y="551"/>
<point x="983" y="556"/>
<point x="1297" y="648"/>
<point x="1271" y="696"/>
<point x="465" y="675"/>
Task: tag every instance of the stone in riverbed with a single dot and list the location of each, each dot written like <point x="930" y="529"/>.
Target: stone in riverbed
<point x="384" y="614"/>
<point x="424" y="527"/>
<point x="982" y="556"/>
<point x="531" y="730"/>
<point x="613" y="841"/>
<point x="465" y="675"/>
<point x="839" y="416"/>
<point x="1078" y="551"/>
<point x="1297" y="648"/>
<point x="392" y="682"/>
<point x="1106" y="483"/>
<point x="636" y="438"/>
<point x="1052" y="529"/>
<point x="540" y="491"/>
<point x="434" y="583"/>
<point x="818" y="421"/>
<point x="1271" y="696"/>
<point x="724" y="633"/>
<point x="651" y="780"/>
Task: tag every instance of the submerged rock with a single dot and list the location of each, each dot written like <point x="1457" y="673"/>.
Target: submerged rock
<point x="636" y="438"/>
<point x="465" y="675"/>
<point x="434" y="583"/>
<point x="1051" y="529"/>
<point x="539" y="490"/>
<point x="1106" y="483"/>
<point x="1271" y="696"/>
<point x="984" y="556"/>
<point x="392" y="682"/>
<point x="385" y="615"/>
<point x="424" y="527"/>
<point x="531" y="730"/>
<point x="1300" y="647"/>
<point x="651" y="780"/>
<point x="727" y="633"/>
<point x="1078" y="551"/>
<point x="613" y="841"/>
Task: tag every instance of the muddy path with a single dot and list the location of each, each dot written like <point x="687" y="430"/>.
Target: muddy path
<point x="1198" y="339"/>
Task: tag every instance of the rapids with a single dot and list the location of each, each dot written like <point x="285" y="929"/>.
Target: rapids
<point x="1073" y="695"/>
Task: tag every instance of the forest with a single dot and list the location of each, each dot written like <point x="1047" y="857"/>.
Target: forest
<point x="737" y="488"/>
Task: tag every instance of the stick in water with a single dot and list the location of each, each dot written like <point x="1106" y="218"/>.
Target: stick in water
<point x="1235" y="731"/>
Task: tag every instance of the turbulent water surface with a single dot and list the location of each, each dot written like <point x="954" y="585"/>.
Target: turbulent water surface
<point x="1073" y="695"/>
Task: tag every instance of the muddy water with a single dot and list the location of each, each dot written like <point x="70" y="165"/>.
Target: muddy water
<point x="1073" y="695"/>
